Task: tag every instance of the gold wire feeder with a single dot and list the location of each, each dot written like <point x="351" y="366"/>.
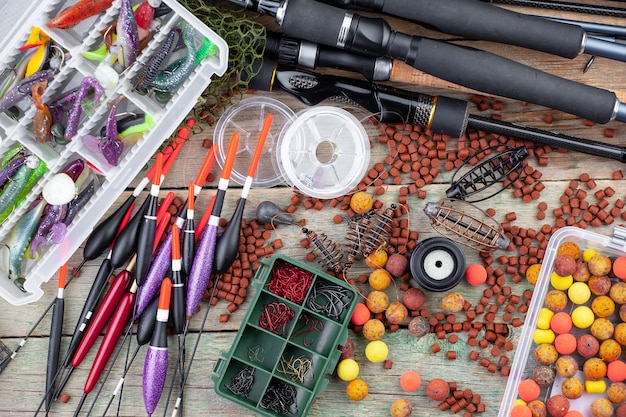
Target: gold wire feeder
<point x="454" y="223"/>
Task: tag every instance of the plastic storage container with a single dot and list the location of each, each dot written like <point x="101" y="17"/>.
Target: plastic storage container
<point x="525" y="363"/>
<point x="167" y="115"/>
<point x="267" y="354"/>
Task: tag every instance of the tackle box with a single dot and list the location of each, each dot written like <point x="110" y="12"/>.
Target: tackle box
<point x="525" y="362"/>
<point x="167" y="114"/>
<point x="271" y="357"/>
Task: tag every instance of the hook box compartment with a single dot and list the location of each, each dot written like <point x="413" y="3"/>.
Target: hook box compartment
<point x="267" y="354"/>
<point x="165" y="113"/>
<point x="525" y="361"/>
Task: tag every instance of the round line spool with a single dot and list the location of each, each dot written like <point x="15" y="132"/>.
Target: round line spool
<point x="325" y="152"/>
<point x="246" y="118"/>
<point x="437" y="264"/>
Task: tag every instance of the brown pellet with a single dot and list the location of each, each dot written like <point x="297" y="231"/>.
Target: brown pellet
<point x="435" y="348"/>
<point x="443" y="406"/>
<point x="387" y="364"/>
<point x="451" y="355"/>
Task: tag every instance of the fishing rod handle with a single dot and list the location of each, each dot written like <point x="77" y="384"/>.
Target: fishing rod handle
<point x="389" y="105"/>
<point x="294" y="51"/>
<point x="472" y="68"/>
<point x="474" y="19"/>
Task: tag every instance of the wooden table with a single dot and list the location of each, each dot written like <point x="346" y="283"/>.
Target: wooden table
<point x="23" y="379"/>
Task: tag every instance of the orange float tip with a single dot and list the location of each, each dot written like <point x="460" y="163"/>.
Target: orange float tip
<point x="175" y="242"/>
<point x="62" y="275"/>
<point x="209" y="160"/>
<point x="205" y="218"/>
<point x="162" y="223"/>
<point x="164" y="296"/>
<point x="191" y="195"/>
<point x="172" y="157"/>
<point x="159" y="169"/>
<point x="230" y="156"/>
<point x="267" y="124"/>
<point x="165" y="204"/>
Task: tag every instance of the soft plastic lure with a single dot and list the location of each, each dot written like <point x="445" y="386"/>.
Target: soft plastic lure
<point x="10" y="77"/>
<point x="88" y="84"/>
<point x="51" y="227"/>
<point x="156" y="62"/>
<point x="80" y="11"/>
<point x="62" y="104"/>
<point x="17" y="243"/>
<point x="109" y="144"/>
<point x="9" y="196"/>
<point x="10" y="169"/>
<point x="127" y="35"/>
<point x="22" y="89"/>
<point x="144" y="15"/>
<point x="14" y="152"/>
<point x="22" y="192"/>
<point x="42" y="121"/>
<point x="76" y="205"/>
<point x="176" y="74"/>
<point x="40" y="41"/>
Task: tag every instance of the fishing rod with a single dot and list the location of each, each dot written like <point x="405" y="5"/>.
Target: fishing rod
<point x="332" y="26"/>
<point x="294" y="51"/>
<point x="391" y="105"/>
<point x="474" y="19"/>
<point x="565" y="6"/>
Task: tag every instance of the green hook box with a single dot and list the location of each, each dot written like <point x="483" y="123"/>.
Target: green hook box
<point x="265" y="353"/>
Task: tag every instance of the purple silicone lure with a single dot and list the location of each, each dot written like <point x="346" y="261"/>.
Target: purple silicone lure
<point x="51" y="226"/>
<point x="79" y="202"/>
<point x="62" y="104"/>
<point x="24" y="88"/>
<point x="74" y="169"/>
<point x="88" y="84"/>
<point x="127" y="35"/>
<point x="111" y="146"/>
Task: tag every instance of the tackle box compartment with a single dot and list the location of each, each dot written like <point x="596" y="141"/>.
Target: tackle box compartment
<point x="525" y="362"/>
<point x="19" y="18"/>
<point x="271" y="357"/>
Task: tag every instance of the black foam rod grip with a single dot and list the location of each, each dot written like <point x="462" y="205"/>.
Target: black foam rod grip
<point x="493" y="74"/>
<point x="477" y="20"/>
<point x="313" y="21"/>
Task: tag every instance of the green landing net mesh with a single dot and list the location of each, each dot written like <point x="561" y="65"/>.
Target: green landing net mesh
<point x="243" y="37"/>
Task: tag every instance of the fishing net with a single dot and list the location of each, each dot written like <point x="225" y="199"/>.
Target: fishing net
<point x="243" y="37"/>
